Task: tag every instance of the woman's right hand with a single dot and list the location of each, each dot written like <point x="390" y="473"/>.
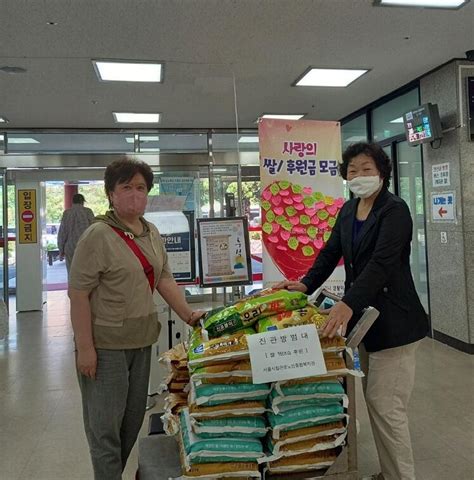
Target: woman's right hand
<point x="293" y="286"/>
<point x="87" y="362"/>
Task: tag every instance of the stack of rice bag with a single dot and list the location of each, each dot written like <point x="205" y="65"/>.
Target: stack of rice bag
<point x="228" y="425"/>
<point x="176" y="384"/>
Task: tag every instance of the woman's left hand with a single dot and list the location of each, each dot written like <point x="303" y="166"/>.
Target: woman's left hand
<point x="339" y="316"/>
<point x="195" y="316"/>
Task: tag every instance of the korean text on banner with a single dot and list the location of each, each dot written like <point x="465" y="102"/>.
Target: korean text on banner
<point x="27" y="216"/>
<point x="302" y="195"/>
<point x="293" y="352"/>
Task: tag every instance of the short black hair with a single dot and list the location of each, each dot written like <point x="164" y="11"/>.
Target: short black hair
<point x="372" y="150"/>
<point x="123" y="170"/>
<point x="78" y="198"/>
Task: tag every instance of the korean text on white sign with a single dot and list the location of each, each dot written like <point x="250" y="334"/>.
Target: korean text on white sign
<point x="286" y="354"/>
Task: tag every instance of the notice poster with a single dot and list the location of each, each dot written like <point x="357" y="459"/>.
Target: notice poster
<point x="302" y="194"/>
<point x="224" y="252"/>
<point x="179" y="187"/>
<point x="27" y="216"/>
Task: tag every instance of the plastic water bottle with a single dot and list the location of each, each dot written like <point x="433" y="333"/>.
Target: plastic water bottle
<point x="356" y="359"/>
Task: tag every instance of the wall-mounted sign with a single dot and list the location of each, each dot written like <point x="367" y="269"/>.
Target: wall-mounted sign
<point x="27" y="216"/>
<point x="443" y="207"/>
<point x="224" y="252"/>
<point x="177" y="231"/>
<point x="181" y="252"/>
<point x="441" y="176"/>
<point x="180" y="187"/>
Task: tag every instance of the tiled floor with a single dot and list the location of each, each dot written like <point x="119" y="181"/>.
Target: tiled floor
<point x="41" y="433"/>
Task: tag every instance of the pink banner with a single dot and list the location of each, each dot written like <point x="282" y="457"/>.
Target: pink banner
<point x="302" y="194"/>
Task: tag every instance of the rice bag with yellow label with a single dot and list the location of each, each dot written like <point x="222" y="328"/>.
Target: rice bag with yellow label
<point x="251" y="309"/>
<point x="302" y="316"/>
<point x="217" y="350"/>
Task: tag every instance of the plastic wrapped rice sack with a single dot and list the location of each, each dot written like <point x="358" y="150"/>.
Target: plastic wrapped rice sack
<point x="228" y="372"/>
<point x="305" y="462"/>
<point x="301" y="316"/>
<point x="251" y="309"/>
<point x="310" y="433"/>
<point x="221" y="449"/>
<point x="304" y="417"/>
<point x="218" y="394"/>
<point x="175" y="359"/>
<point x="277" y="451"/>
<point x="284" y="397"/>
<point x="236" y="409"/>
<point x="224" y="349"/>
<point x="210" y="471"/>
<point x="237" y="427"/>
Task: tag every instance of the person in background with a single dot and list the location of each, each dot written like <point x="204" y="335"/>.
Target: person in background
<point x="74" y="223"/>
<point x="118" y="264"/>
<point x="373" y="233"/>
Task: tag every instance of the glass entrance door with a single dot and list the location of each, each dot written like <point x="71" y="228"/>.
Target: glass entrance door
<point x="410" y="188"/>
<point x="3" y="238"/>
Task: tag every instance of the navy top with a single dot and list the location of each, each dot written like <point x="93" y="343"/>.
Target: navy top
<point x="358" y="224"/>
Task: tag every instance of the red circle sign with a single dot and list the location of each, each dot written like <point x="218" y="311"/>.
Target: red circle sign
<point x="27" y="216"/>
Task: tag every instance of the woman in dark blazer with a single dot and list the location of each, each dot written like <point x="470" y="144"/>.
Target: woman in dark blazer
<point x="373" y="234"/>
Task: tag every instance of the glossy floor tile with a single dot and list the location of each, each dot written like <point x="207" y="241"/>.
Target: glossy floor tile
<point x="42" y="438"/>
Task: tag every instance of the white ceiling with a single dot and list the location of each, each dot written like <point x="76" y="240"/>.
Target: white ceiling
<point x="267" y="44"/>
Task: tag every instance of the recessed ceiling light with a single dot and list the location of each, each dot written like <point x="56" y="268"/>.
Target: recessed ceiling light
<point x="283" y="116"/>
<point x="397" y="120"/>
<point x="149" y="149"/>
<point x="128" y="71"/>
<point x="3" y="120"/>
<point x="329" y="77"/>
<point x="148" y="138"/>
<point x="248" y="140"/>
<point x="21" y="140"/>
<point x="422" y="3"/>
<point x="356" y="138"/>
<point x="122" y="117"/>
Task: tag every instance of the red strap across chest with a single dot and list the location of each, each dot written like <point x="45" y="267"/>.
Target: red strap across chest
<point x="147" y="267"/>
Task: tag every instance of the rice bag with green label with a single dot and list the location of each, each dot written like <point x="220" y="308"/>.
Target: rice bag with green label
<point x="251" y="309"/>
<point x="223" y="449"/>
<point x="317" y="394"/>
<point x="239" y="427"/>
<point x="246" y="312"/>
<point x="292" y="318"/>
<point x="216" y="394"/>
<point x="304" y="417"/>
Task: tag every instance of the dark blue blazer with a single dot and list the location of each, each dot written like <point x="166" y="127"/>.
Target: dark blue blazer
<point x="378" y="274"/>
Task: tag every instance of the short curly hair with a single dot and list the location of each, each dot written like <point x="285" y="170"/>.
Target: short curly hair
<point x="123" y="170"/>
<point x="372" y="150"/>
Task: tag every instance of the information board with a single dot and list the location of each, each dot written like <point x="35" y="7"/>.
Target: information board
<point x="224" y="252"/>
<point x="181" y="252"/>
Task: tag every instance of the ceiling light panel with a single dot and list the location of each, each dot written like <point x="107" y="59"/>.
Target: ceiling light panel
<point x="329" y="77"/>
<point x="128" y="71"/>
<point x="22" y="140"/>
<point x="124" y="117"/>
<point x="422" y="3"/>
<point x="248" y="140"/>
<point x="278" y="116"/>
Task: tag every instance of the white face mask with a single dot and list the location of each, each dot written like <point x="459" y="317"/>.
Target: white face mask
<point x="364" y="187"/>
